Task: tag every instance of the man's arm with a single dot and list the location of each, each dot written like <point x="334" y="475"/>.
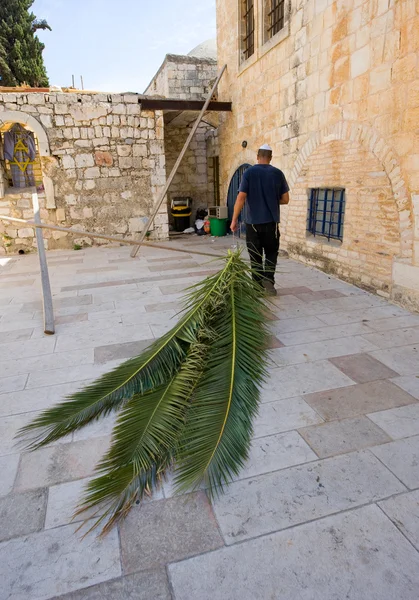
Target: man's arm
<point x="238" y="207"/>
<point x="285" y="198"/>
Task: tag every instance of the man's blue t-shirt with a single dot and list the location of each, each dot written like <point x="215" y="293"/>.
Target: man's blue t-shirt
<point x="264" y="186"/>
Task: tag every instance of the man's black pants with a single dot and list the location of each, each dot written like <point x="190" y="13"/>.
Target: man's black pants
<point x="263" y="242"/>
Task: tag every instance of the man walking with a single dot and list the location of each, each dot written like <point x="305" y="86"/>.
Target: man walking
<point x="263" y="188"/>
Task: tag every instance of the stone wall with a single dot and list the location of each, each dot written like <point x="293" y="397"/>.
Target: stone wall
<point x="184" y="77"/>
<point x="103" y="163"/>
<point x="343" y="71"/>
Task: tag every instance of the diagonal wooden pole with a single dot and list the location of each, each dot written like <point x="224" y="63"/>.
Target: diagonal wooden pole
<point x="177" y="164"/>
<point x="49" y="327"/>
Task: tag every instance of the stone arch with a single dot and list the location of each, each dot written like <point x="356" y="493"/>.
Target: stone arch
<point x="372" y="141"/>
<point x="245" y="156"/>
<point x="16" y="116"/>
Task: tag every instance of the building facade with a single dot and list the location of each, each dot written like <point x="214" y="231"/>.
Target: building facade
<point x="333" y="87"/>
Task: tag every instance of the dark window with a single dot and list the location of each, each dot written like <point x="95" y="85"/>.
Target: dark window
<point x="326" y="211"/>
<point x="216" y="171"/>
<point x="248" y="45"/>
<point x="276" y="17"/>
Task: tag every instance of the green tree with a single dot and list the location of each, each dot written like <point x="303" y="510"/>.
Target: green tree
<point x="21" y="59"/>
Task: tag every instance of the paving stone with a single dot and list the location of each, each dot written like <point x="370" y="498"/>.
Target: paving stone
<point x="18" y="350"/>
<point x="19" y="335"/>
<point x="403" y="360"/>
<point x="369" y="314"/>
<point x="54" y="562"/>
<point x="165" y="259"/>
<point x="8" y="470"/>
<point x="293" y="291"/>
<point x="324" y="333"/>
<point x="319" y="295"/>
<point x="46" y="362"/>
<point x="274" y="342"/>
<point x="304" y="378"/>
<point x="276" y="452"/>
<point x="104" y="354"/>
<point x="59" y="303"/>
<point x="338" y="437"/>
<point x="172" y="267"/>
<point x="402" y="458"/>
<point x="351" y="556"/>
<point x="12" y="384"/>
<point x="284" y="415"/>
<point x="410" y="384"/>
<point x="21" y="514"/>
<point x="362" y="368"/>
<point x="394" y="338"/>
<point x="36" y="399"/>
<point x="398" y="422"/>
<point x="58" y="464"/>
<point x="96" y="270"/>
<point x="297" y="324"/>
<point x="320" y="350"/>
<point x="81" y="317"/>
<point x="9" y="426"/>
<point x="155" y="533"/>
<point x="359" y="399"/>
<point x="67" y="375"/>
<point x="355" y="303"/>
<point x="176" y="306"/>
<point x="86" y="339"/>
<point x="403" y="510"/>
<point x="280" y="500"/>
<point x="394" y="323"/>
<point x="148" y="585"/>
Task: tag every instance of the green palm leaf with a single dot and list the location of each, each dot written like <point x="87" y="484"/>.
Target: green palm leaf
<point x="188" y="400"/>
<point x="144" y="442"/>
<point x="136" y="376"/>
<point x="216" y="439"/>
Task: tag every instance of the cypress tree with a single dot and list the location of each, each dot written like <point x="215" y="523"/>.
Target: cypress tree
<point x="21" y="59"/>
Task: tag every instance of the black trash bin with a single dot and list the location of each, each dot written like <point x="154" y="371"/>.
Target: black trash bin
<point x="181" y="213"/>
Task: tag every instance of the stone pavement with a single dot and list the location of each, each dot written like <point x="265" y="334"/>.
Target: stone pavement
<point x="327" y="507"/>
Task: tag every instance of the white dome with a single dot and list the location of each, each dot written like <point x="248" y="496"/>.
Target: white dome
<point x="207" y="49"/>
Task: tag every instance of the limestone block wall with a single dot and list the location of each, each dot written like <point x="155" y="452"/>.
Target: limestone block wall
<point x="183" y="77"/>
<point x="104" y="164"/>
<point x="343" y="71"/>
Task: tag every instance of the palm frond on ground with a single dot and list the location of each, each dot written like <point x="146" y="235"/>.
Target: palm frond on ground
<point x="188" y="401"/>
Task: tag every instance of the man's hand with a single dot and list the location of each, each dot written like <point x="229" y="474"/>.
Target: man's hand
<point x="234" y="225"/>
<point x="241" y="199"/>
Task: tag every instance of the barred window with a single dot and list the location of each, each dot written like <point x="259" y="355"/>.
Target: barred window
<point x="326" y="212"/>
<point x="276" y="16"/>
<point x="248" y="28"/>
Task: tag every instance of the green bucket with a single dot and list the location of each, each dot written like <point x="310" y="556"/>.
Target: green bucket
<point x="218" y="227"/>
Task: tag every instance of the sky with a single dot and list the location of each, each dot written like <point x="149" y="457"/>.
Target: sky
<point x="118" y="45"/>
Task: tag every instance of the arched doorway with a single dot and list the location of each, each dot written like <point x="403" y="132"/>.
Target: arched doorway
<point x="233" y="190"/>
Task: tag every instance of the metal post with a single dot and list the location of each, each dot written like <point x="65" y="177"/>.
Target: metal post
<point x="49" y="327"/>
<point x="175" y="168"/>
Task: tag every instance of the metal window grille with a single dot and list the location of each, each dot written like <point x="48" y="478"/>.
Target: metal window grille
<point x="248" y="28"/>
<point x="276" y="17"/>
<point x="326" y="211"/>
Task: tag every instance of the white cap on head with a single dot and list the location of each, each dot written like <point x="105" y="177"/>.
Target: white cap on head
<point x="265" y="147"/>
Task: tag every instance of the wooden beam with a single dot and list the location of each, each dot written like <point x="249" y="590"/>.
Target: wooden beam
<point x="49" y="327"/>
<point x="182" y="105"/>
<point x="177" y="163"/>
